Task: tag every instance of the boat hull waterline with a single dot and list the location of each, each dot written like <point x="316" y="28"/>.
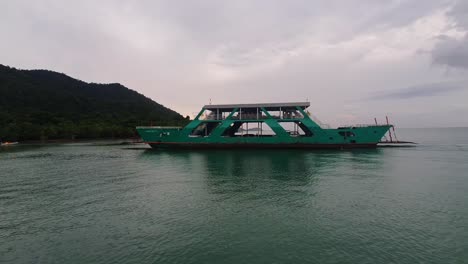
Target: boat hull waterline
<point x="175" y="145"/>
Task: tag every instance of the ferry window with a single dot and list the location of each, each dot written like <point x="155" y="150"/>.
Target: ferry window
<point x="248" y="129"/>
<point x="296" y="129"/>
<point x="212" y="115"/>
<point x="204" y="129"/>
<point x="346" y="133"/>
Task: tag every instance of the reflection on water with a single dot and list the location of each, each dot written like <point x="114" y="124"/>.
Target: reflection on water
<point x="266" y="173"/>
<point x="298" y="165"/>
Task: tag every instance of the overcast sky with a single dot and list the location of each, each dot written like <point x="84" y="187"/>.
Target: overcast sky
<point x="353" y="60"/>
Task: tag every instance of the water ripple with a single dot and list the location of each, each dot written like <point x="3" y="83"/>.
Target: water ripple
<point x="106" y="204"/>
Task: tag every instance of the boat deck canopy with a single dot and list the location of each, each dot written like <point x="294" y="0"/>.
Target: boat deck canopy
<point x="267" y="106"/>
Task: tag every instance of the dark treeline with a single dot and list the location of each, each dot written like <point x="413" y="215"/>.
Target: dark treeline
<point x="41" y="104"/>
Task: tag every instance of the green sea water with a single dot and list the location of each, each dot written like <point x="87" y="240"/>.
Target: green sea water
<point x="105" y="203"/>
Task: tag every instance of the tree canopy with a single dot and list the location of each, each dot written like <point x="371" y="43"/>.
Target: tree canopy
<point x="42" y="104"/>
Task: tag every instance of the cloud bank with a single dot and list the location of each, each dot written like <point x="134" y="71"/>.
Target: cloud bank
<point x="343" y="56"/>
<point x="414" y="92"/>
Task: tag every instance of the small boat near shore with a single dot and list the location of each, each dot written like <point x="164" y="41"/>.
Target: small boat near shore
<point x="6" y="143"/>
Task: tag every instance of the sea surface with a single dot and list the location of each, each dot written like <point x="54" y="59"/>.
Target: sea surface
<point x="101" y="202"/>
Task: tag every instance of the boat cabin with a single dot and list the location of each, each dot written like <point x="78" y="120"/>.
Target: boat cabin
<point x="254" y="120"/>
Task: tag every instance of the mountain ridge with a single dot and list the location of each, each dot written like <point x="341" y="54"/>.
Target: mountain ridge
<point x="43" y="104"/>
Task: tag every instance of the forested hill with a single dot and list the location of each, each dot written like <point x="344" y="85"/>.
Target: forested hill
<point x="41" y="104"/>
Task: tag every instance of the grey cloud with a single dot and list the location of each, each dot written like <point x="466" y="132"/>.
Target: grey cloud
<point x="401" y="13"/>
<point x="424" y="90"/>
<point x="450" y="51"/>
<point x="459" y="12"/>
<point x="243" y="26"/>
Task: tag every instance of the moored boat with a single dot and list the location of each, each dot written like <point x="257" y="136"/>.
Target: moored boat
<point x="267" y="125"/>
<point x="8" y="143"/>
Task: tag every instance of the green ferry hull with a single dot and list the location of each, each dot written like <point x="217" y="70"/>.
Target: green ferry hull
<point x="219" y="131"/>
<point x="365" y="137"/>
<point x="259" y="146"/>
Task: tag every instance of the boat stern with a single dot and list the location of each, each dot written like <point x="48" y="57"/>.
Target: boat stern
<point x="154" y="135"/>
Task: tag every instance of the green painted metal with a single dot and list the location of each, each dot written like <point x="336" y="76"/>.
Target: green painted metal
<point x="212" y="132"/>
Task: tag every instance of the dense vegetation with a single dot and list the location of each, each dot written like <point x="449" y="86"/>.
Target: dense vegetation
<point x="41" y="104"/>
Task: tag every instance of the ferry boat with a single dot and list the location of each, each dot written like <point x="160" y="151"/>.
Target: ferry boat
<point x="267" y="125"/>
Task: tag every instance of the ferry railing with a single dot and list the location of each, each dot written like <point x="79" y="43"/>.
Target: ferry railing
<point x="251" y="116"/>
<point x="364" y="125"/>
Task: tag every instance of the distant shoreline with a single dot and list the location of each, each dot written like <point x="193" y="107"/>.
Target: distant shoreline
<point x="61" y="141"/>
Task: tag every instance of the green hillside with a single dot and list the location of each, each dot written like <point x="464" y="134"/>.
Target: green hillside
<point x="41" y="104"/>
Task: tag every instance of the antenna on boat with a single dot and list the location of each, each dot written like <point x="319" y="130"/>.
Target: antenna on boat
<point x="392" y="128"/>
<point x="210" y="101"/>
<point x="389" y="131"/>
